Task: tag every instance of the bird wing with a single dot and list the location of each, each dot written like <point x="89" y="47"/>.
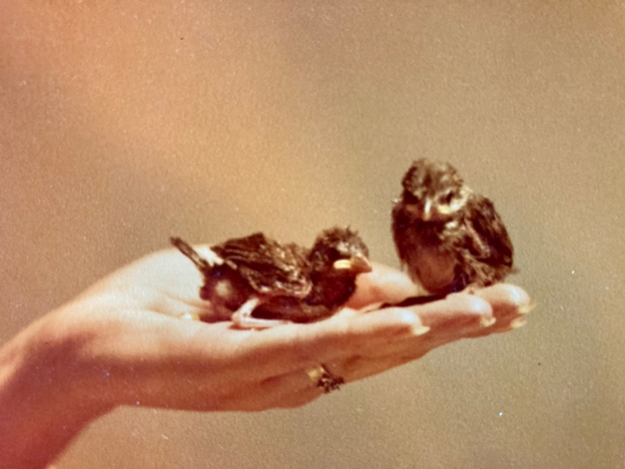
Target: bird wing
<point x="269" y="267"/>
<point x="492" y="244"/>
<point x="404" y="243"/>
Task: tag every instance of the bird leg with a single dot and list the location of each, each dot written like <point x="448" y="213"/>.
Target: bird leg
<point x="243" y="318"/>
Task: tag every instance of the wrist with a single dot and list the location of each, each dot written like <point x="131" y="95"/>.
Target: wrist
<point x="43" y="402"/>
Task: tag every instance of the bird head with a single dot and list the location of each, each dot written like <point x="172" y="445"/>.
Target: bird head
<point x="433" y="191"/>
<point x="340" y="251"/>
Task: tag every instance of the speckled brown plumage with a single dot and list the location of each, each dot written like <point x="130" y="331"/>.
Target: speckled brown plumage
<point x="258" y="282"/>
<point x="448" y="236"/>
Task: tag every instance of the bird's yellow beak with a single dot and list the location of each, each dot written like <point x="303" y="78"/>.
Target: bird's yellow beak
<point x="444" y="209"/>
<point x="358" y="264"/>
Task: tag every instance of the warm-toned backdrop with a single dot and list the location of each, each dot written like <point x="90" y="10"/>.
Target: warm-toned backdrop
<point x="122" y="123"/>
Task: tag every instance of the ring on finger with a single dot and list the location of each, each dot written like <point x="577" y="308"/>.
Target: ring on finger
<point x="325" y="379"/>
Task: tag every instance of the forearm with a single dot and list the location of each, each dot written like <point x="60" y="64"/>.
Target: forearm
<point x="40" y="406"/>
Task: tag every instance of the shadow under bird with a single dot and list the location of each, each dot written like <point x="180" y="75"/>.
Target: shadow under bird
<point x="448" y="236"/>
<point x="258" y="282"/>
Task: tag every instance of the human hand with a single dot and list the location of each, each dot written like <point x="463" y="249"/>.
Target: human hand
<point x="127" y="341"/>
<point x="136" y="349"/>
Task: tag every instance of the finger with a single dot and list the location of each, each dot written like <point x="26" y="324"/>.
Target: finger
<point x="255" y="354"/>
<point x="295" y="346"/>
<point x="357" y="368"/>
<point x="228" y="354"/>
<point x="458" y="316"/>
<point x="401" y="352"/>
<point x="505" y="295"/>
<point x="355" y="334"/>
<point x="445" y="328"/>
<point x="382" y="285"/>
<point x="289" y="390"/>
<point x="288" y="347"/>
<point x="511" y="305"/>
<point x="460" y="308"/>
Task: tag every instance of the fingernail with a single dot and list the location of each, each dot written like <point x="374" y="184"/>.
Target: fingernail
<point x="487" y="322"/>
<point x="518" y="323"/>
<point x="526" y="309"/>
<point x="420" y="330"/>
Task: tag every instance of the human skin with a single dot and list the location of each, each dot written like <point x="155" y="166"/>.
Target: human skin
<point x="127" y="340"/>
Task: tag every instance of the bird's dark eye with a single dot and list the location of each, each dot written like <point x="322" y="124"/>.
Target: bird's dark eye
<point x="448" y="197"/>
<point x="332" y="254"/>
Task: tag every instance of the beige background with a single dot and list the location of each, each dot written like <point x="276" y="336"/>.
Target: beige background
<point x="122" y="123"/>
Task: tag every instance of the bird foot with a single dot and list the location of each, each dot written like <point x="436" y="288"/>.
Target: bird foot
<point x="243" y="318"/>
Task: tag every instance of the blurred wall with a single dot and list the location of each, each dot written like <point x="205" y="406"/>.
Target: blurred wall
<point x="122" y="123"/>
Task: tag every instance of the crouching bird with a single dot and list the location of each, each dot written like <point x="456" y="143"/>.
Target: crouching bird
<point x="448" y="236"/>
<point x="258" y="282"/>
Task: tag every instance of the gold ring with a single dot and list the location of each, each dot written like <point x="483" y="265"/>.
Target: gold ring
<point x="325" y="379"/>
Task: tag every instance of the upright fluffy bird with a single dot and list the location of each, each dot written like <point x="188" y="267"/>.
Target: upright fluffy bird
<point x="448" y="236"/>
<point x="259" y="282"/>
